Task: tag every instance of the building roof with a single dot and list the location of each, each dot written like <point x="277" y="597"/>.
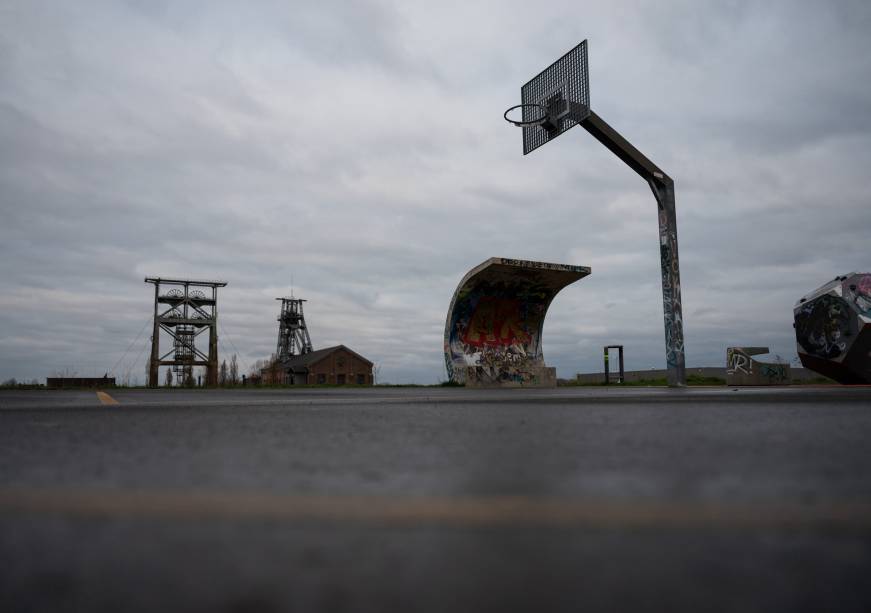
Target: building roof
<point x="185" y="282"/>
<point x="313" y="357"/>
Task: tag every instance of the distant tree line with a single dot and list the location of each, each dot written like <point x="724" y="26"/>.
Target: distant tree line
<point x="12" y="382"/>
<point x="229" y="376"/>
<point x="267" y="370"/>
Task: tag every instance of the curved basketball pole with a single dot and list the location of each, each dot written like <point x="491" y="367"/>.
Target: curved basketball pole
<point x="662" y="187"/>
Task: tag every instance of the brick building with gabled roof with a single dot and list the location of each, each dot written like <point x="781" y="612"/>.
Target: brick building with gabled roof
<point x="330" y="366"/>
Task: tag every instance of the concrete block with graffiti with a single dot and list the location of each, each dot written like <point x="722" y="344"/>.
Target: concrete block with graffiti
<point x="495" y="320"/>
<point x="833" y="329"/>
<point x="742" y="369"/>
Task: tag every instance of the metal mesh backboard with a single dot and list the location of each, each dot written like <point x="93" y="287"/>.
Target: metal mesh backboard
<point x="564" y="88"/>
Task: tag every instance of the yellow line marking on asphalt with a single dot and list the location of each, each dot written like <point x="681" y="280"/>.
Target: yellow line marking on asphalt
<point x="474" y="511"/>
<point x="106" y="398"/>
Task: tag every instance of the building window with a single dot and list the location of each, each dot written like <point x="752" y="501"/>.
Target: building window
<point x="322" y="378"/>
<point x="340" y="379"/>
<point x="361" y="379"/>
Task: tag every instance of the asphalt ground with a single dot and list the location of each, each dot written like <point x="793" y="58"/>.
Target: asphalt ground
<point x="436" y="499"/>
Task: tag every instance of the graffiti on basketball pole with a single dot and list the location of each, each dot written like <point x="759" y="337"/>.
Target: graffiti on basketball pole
<point x="671" y="304"/>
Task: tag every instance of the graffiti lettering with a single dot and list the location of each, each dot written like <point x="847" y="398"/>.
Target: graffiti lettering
<point x="773" y="372"/>
<point x="821" y="325"/>
<point x="544" y="265"/>
<point x="495" y="322"/>
<point x="738" y="361"/>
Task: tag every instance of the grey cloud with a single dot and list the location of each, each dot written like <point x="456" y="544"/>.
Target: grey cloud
<point x="330" y="33"/>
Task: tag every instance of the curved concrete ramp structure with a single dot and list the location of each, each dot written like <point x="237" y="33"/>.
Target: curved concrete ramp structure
<point x="494" y="324"/>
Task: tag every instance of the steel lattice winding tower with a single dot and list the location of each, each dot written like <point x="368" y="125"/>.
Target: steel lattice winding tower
<point x="184" y="314"/>
<point x="293" y="337"/>
<point x="184" y="353"/>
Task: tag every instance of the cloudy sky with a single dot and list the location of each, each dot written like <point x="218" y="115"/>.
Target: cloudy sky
<point x="355" y="152"/>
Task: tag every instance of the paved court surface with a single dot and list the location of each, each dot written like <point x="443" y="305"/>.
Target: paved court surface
<point x="434" y="499"/>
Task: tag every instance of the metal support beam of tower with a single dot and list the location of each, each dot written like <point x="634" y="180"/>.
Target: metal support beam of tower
<point x="183" y="310"/>
<point x="293" y="337"/>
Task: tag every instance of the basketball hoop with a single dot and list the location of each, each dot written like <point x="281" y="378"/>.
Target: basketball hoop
<point x="561" y="93"/>
<point x="525" y="123"/>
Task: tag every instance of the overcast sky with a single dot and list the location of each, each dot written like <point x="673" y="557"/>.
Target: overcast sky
<point x="356" y="151"/>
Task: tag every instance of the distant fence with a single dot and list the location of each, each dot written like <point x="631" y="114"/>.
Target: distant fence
<point x="63" y="382"/>
<point x="796" y="374"/>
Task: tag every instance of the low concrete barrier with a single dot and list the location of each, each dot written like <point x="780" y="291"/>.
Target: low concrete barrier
<point x="798" y="375"/>
<point x="89" y="382"/>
